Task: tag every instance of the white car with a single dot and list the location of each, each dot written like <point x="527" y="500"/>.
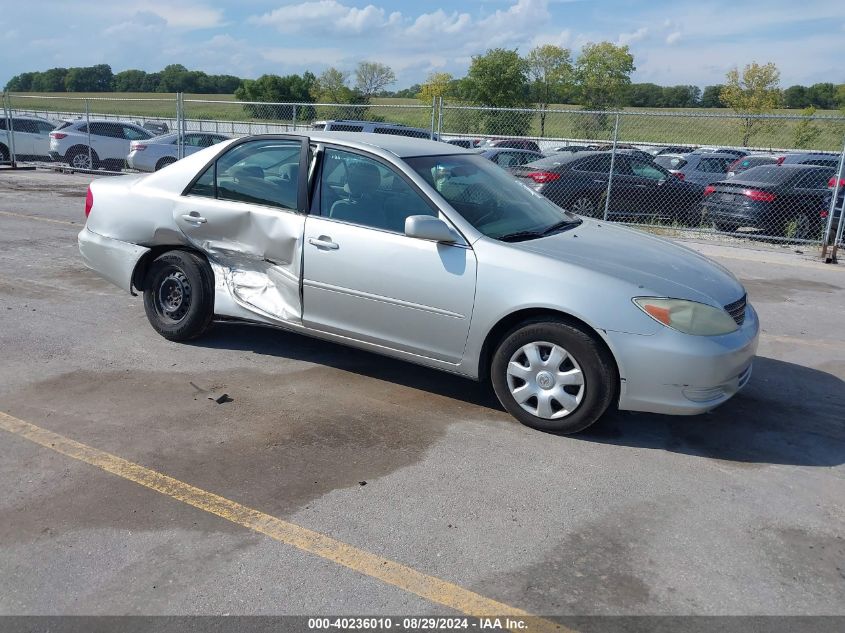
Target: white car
<point x="161" y="151"/>
<point x="31" y="138"/>
<point x="109" y="143"/>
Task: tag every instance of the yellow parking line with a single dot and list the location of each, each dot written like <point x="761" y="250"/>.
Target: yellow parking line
<point x="40" y="218"/>
<point x="391" y="572"/>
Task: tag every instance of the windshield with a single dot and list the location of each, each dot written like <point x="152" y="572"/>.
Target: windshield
<point x="489" y="198"/>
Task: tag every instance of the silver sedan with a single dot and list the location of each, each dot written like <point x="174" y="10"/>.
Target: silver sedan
<point x="161" y="151"/>
<point x="426" y="252"/>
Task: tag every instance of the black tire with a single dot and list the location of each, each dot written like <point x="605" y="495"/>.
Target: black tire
<point x="724" y="228"/>
<point x="4" y="154"/>
<point x="587" y="205"/>
<point x="799" y="227"/>
<point x="164" y="162"/>
<point x="179" y="295"/>
<point x="599" y="377"/>
<point x="82" y="152"/>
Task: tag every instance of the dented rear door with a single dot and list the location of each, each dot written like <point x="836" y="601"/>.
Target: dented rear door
<point x="246" y="211"/>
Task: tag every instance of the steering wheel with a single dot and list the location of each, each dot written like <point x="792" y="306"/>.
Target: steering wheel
<point x="482" y="197"/>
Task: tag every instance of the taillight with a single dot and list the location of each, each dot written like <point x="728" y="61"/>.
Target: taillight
<point x="759" y="196"/>
<point x="541" y="177"/>
<point x="89" y="202"/>
<point x="832" y="182"/>
<point x="137" y="147"/>
<point x="781" y="159"/>
<point x="823" y="213"/>
<point x="57" y="135"/>
<point x="679" y="175"/>
<point x="709" y="189"/>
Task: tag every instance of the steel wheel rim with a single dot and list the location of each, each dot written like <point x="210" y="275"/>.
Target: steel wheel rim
<point x="81" y="161"/>
<point x="173" y="296"/>
<point x="545" y="380"/>
<point x="802" y="227"/>
<point x="583" y="206"/>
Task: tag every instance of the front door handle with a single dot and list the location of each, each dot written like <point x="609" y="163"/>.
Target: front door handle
<point x="323" y="242"/>
<point x="194" y="217"/>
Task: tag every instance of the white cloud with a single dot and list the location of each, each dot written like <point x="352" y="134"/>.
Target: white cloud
<point x="636" y="36"/>
<point x="326" y="16"/>
<point x="439" y="22"/>
<point x="673" y="38"/>
<point x="180" y="15"/>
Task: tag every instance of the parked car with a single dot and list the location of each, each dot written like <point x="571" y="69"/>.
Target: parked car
<point x="507" y="158"/>
<point x="737" y="153"/>
<point x="753" y="160"/>
<point x="658" y="150"/>
<point x="466" y="143"/>
<point x="571" y="149"/>
<point x="808" y="158"/>
<point x="374" y="127"/>
<point x="516" y="143"/>
<point x="701" y="169"/>
<point x="161" y="151"/>
<point x="640" y="188"/>
<point x="429" y="253"/>
<point x="109" y="143"/>
<point x="784" y="200"/>
<point x="158" y="129"/>
<point x="31" y="138"/>
<point x="838" y="208"/>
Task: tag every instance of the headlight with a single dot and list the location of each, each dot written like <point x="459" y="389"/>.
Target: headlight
<point x="689" y="317"/>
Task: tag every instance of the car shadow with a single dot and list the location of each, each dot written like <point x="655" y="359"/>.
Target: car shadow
<point x="787" y="414"/>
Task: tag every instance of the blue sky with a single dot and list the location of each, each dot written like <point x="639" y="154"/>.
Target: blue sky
<point x="673" y="42"/>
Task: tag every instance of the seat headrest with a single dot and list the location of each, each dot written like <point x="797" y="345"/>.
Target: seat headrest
<point x="247" y="171"/>
<point x="289" y="172"/>
<point x="362" y="178"/>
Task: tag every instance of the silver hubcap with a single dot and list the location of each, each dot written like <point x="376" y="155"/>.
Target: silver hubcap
<point x="81" y="161"/>
<point x="583" y="206"/>
<point x="545" y="380"/>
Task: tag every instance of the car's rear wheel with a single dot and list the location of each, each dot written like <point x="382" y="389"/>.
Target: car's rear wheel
<point x="798" y="227"/>
<point x="724" y="228"/>
<point x="164" y="162"/>
<point x="179" y="295"/>
<point x="81" y="159"/>
<point x="553" y="376"/>
<point x="587" y="206"/>
<point x="4" y="154"/>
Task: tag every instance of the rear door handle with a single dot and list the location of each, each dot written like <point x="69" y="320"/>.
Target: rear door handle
<point x="194" y="217"/>
<point x="323" y="242"/>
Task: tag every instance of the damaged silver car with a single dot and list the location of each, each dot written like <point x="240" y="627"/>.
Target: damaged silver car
<point x="428" y="253"/>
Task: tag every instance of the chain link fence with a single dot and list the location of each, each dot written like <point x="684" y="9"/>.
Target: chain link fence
<point x="762" y="180"/>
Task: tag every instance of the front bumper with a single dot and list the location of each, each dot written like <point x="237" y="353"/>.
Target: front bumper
<point x="114" y="260"/>
<point x="679" y="374"/>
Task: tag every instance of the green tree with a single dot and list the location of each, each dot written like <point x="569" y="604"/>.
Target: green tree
<point x="372" y="77"/>
<point x="550" y="72"/>
<point x="97" y="78"/>
<point x="752" y="93"/>
<point x="282" y="92"/>
<point x="795" y="97"/>
<point x="499" y="78"/>
<point x="52" y="80"/>
<point x="435" y="85"/>
<point x="645" y="95"/>
<point x="680" y="96"/>
<point x="710" y="98"/>
<point x="21" y="83"/>
<point x="806" y="132"/>
<point x="822" y="96"/>
<point x="603" y="74"/>
<point x="129" y="81"/>
<point x="331" y="87"/>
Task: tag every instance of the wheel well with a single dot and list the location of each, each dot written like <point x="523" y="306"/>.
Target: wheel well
<point x="509" y="322"/>
<point x="164" y="160"/>
<point x="140" y="272"/>
<point x="79" y="149"/>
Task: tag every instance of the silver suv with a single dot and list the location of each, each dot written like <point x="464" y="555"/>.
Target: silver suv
<point x="31" y="138"/>
<point x="375" y="127"/>
<point x="108" y="141"/>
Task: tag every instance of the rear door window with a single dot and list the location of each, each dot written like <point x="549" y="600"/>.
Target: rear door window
<point x="252" y="173"/>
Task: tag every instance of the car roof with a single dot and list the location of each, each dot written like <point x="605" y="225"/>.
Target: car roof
<point x="402" y="146"/>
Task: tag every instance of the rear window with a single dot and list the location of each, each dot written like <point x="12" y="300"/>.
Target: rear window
<point x="769" y="173"/>
<point x="64" y="124"/>
<point x="670" y="162"/>
<point x="714" y="165"/>
<point x="821" y="162"/>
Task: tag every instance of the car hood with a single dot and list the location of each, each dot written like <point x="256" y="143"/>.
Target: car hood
<point x="657" y="267"/>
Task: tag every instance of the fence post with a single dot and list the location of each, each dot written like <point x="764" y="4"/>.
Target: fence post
<point x="433" y="108"/>
<point x="612" y="161"/>
<point x="7" y="120"/>
<point x="439" y="116"/>
<point x="829" y="224"/>
<point x="88" y="127"/>
<point x="294" y="117"/>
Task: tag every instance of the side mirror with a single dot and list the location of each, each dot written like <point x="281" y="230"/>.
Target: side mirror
<point x="427" y="227"/>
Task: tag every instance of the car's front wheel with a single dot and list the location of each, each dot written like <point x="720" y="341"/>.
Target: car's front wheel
<point x="81" y="159"/>
<point x="164" y="162"/>
<point x="553" y="376"/>
<point x="179" y="295"/>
